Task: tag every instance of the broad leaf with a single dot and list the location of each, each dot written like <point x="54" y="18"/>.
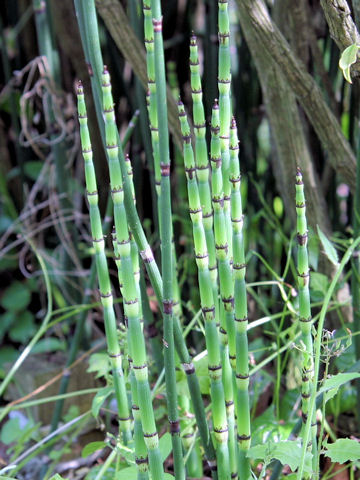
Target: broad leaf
<point x="165" y="446"/>
<point x="287" y="452"/>
<point x="343" y="450"/>
<point x="348" y="58"/>
<point x="16" y="297"/>
<point x="329" y="248"/>
<point x="92" y="447"/>
<point x="331" y="385"/>
<point x="99" y="399"/>
<point x="129" y="473"/>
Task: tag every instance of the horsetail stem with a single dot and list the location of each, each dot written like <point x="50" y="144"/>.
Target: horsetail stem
<point x="167" y="253"/>
<point x="130" y="291"/>
<point x="207" y="303"/>
<point x="240" y="302"/>
<point x="201" y="157"/>
<point x="89" y="30"/>
<point x="103" y="273"/>
<point x="305" y="318"/>
<point x="221" y="240"/>
<point x="224" y="84"/>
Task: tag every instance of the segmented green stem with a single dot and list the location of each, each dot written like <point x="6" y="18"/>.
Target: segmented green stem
<point x="240" y="300"/>
<point x="224" y="83"/>
<point x="202" y="158"/>
<point x="305" y="318"/>
<point x="88" y="28"/>
<point x="167" y="254"/>
<point x="103" y="273"/>
<point x="221" y="241"/>
<point x="130" y="290"/>
<point x="207" y="303"/>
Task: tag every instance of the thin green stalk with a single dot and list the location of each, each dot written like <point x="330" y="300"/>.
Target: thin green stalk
<point x="207" y="304"/>
<point x="305" y="318"/>
<point x="317" y="351"/>
<point x="132" y="304"/>
<point x="88" y="29"/>
<point x="241" y="315"/>
<point x="167" y="253"/>
<point x="103" y="274"/>
<point x="224" y="83"/>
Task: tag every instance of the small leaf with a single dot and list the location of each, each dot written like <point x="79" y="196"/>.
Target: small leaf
<point x="329" y="248"/>
<point x="57" y="477"/>
<point x="99" y="362"/>
<point x="287" y="452"/>
<point x="165" y="446"/>
<point x="33" y="168"/>
<point x="348" y="58"/>
<point x="92" y="447"/>
<point x="332" y="384"/>
<point x="129" y="473"/>
<point x="11" y="431"/>
<point x="16" y="297"/>
<point x="343" y="450"/>
<point x="23" y="328"/>
<point x="99" y="399"/>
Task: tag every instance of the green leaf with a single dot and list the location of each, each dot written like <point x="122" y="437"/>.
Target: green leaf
<point x="287" y="452"/>
<point x="11" y="431"/>
<point x="99" y="399"/>
<point x="129" y="473"/>
<point x="331" y="385"/>
<point x="49" y="344"/>
<point x="319" y="282"/>
<point x="348" y="58"/>
<point x="92" y="447"/>
<point x="165" y="446"/>
<point x="168" y="476"/>
<point x="343" y="450"/>
<point x="99" y="362"/>
<point x="16" y="297"/>
<point x="33" y="168"/>
<point x="329" y="248"/>
<point x="23" y="328"/>
<point x="57" y="477"/>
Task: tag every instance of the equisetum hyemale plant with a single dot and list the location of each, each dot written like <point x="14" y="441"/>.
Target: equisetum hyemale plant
<point x="215" y="206"/>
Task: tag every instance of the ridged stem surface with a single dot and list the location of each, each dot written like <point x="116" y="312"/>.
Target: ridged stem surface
<point x="103" y="273"/>
<point x="131" y="300"/>
<point x="167" y="254"/>
<point x="207" y="304"/>
<point x="241" y="318"/>
<point x="305" y="318"/>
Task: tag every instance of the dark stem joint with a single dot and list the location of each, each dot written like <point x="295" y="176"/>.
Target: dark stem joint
<point x="243" y="438"/>
<point x="302" y="239"/>
<point x="157" y="25"/>
<point x="168" y="307"/>
<point x="114" y="355"/>
<point x="242" y="377"/>
<point x="174" y="427"/>
<point x="165" y="169"/>
<point x="141" y="461"/>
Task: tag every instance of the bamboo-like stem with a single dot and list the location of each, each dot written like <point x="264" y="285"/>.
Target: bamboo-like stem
<point x="224" y="83"/>
<point x="93" y="54"/>
<point x="202" y="158"/>
<point x="103" y="273"/>
<point x="207" y="304"/>
<point x="167" y="254"/>
<point x="305" y="318"/>
<point x="240" y="302"/>
<point x="129" y="287"/>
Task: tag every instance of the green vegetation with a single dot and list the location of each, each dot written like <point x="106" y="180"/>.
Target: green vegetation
<point x="214" y="333"/>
